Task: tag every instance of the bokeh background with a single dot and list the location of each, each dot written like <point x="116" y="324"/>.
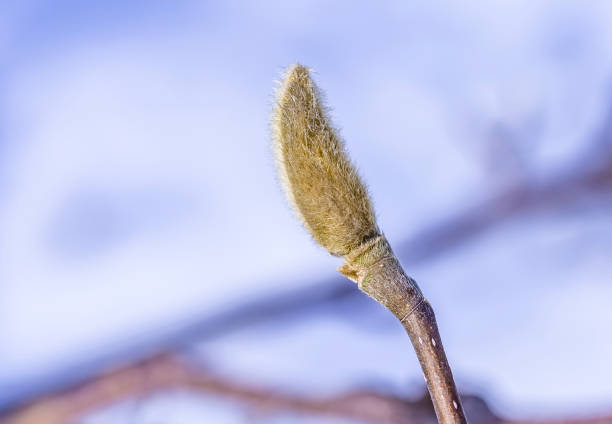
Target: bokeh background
<point x="140" y="213"/>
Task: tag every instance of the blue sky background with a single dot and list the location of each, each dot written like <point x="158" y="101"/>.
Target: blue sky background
<point x="138" y="192"/>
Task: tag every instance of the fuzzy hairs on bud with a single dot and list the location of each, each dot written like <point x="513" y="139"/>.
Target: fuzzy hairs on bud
<point x="321" y="184"/>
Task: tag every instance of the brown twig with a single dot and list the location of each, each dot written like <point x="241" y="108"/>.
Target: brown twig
<point x="333" y="204"/>
<point x="379" y="274"/>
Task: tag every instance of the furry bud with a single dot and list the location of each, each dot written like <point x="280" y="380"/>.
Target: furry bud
<point x="320" y="182"/>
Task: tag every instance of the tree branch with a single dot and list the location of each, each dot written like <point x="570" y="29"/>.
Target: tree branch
<point x="169" y="373"/>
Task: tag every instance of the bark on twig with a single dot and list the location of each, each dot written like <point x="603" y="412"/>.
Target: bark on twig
<point x="380" y="275"/>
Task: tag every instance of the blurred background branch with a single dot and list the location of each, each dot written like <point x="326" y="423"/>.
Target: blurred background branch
<point x="168" y="372"/>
